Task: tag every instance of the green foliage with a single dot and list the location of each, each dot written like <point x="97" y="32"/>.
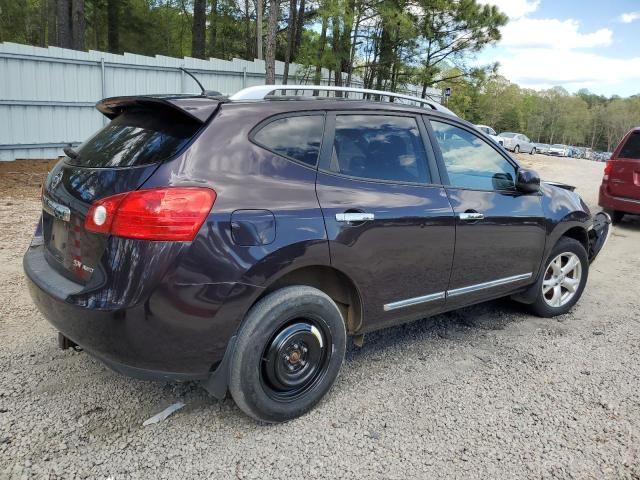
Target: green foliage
<point x="546" y="116"/>
<point x="389" y="43"/>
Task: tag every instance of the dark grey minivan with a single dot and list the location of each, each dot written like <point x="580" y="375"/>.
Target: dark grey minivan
<point x="238" y="241"/>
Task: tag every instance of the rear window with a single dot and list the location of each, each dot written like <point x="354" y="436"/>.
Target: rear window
<point x="297" y="137"/>
<point x="136" y="138"/>
<point x="631" y="148"/>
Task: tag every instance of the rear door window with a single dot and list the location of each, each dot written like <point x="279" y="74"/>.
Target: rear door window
<point x="136" y="138"/>
<point x="379" y="147"/>
<point x="631" y="148"/>
<point x="298" y="137"/>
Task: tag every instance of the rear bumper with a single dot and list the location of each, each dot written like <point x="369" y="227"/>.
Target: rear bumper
<point x="163" y="337"/>
<point x="621" y="204"/>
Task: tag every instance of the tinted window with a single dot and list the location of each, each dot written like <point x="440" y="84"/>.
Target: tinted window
<point x="631" y="149"/>
<point x="295" y="137"/>
<point x="470" y="161"/>
<point x="136" y="138"/>
<point x="379" y="147"/>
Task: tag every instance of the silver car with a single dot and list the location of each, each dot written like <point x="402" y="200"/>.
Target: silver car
<point x="559" y="149"/>
<point x="518" y="142"/>
<point x="543" y="148"/>
<point x="491" y="132"/>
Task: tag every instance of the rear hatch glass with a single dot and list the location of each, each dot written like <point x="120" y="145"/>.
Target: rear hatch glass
<point x="136" y="138"/>
<point x="624" y="178"/>
<point x="118" y="158"/>
<point x="631" y="148"/>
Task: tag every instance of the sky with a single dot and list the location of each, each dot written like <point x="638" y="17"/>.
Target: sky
<point x="574" y="44"/>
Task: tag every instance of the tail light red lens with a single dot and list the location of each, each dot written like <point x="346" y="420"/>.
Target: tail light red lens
<point x="167" y="214"/>
<point x="608" y="168"/>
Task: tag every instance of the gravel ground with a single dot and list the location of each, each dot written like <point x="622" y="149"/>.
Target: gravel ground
<point x="486" y="392"/>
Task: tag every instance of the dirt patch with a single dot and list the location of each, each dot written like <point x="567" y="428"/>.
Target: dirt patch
<point x="23" y="178"/>
<point x="489" y="391"/>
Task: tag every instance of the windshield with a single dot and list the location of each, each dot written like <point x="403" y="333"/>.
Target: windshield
<point x="508" y="134"/>
<point x="136" y="138"/>
<point x="557" y="145"/>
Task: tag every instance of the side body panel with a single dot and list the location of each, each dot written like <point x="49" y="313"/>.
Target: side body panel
<point x="508" y="243"/>
<point x="404" y="253"/>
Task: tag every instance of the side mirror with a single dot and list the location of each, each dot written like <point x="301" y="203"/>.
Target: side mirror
<point x="528" y="181"/>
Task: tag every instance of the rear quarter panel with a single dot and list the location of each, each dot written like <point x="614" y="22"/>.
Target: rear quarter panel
<point x="248" y="177"/>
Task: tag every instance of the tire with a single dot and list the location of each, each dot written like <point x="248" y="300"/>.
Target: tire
<point x="565" y="249"/>
<point x="533" y="151"/>
<point x="616" y="216"/>
<point x="516" y="149"/>
<point x="288" y="353"/>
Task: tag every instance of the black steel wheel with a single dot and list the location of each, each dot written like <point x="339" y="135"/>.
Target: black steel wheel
<point x="287" y="355"/>
<point x="295" y="359"/>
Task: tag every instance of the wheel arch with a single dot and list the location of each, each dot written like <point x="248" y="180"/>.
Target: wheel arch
<point x="328" y="279"/>
<point x="574" y="231"/>
<point x="578" y="233"/>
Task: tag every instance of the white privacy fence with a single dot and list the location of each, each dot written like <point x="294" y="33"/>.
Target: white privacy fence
<point x="48" y="95"/>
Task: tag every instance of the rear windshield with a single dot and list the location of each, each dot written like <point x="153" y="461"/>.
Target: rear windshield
<point x="631" y="149"/>
<point x="136" y="138"/>
<point x="507" y="134"/>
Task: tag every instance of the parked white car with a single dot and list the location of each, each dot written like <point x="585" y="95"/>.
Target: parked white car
<point x="491" y="132"/>
<point x="559" y="150"/>
<point x="517" y="142"/>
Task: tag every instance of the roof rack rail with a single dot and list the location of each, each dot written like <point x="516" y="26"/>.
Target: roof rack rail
<point x="262" y="92"/>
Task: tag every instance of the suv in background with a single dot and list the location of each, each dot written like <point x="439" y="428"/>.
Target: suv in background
<point x="517" y="142"/>
<point x="620" y="188"/>
<point x="239" y="241"/>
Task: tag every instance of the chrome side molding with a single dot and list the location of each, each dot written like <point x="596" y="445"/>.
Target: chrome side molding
<point x="409" y="302"/>
<point x="483" y="286"/>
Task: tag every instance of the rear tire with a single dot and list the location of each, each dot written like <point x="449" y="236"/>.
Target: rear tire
<point x="560" y="285"/>
<point x="288" y="354"/>
<point x="516" y="149"/>
<point x="533" y="151"/>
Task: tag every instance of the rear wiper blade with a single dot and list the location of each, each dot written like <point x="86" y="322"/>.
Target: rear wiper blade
<point x="70" y="152"/>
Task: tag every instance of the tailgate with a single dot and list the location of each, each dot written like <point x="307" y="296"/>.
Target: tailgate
<point x="624" y="179"/>
<point x="118" y="158"/>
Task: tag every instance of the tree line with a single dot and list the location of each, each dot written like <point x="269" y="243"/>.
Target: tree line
<point x="546" y="116"/>
<point x="386" y="43"/>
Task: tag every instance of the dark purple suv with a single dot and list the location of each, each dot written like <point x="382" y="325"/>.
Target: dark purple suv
<point x="239" y="241"/>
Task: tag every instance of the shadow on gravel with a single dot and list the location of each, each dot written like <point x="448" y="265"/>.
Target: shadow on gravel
<point x="628" y="223"/>
<point x="459" y="325"/>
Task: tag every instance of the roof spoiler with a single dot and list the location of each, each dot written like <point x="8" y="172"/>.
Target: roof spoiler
<point x="197" y="108"/>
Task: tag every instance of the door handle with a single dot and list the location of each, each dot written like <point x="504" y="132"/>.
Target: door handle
<point x="470" y="216"/>
<point x="354" y="217"/>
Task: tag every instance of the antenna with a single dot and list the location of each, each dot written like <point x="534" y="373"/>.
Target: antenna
<point x="203" y="91"/>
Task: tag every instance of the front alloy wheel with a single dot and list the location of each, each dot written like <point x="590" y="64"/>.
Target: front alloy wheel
<point x="562" y="279"/>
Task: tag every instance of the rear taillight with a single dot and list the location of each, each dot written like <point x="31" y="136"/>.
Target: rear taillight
<point x="168" y="214"/>
<point x="608" y="168"/>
